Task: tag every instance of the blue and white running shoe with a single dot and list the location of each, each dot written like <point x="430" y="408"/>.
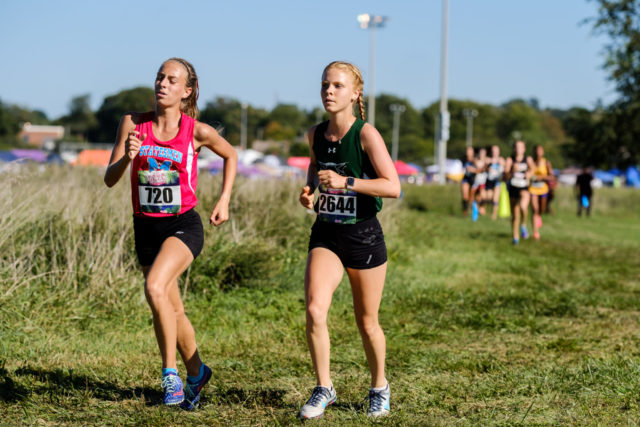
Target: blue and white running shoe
<point x="192" y="391"/>
<point x="173" y="392"/>
<point x="524" y="232"/>
<point x="379" y="402"/>
<point x="321" y="397"/>
<point x="474" y="212"/>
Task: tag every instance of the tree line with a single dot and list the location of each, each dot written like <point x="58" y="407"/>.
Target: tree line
<point x="567" y="135"/>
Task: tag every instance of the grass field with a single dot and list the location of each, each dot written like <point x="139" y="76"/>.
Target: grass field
<point x="478" y="331"/>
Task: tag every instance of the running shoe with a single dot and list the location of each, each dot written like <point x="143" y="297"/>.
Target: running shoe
<point x="538" y="221"/>
<point x="173" y="391"/>
<point x="536" y="235"/>
<point x="515" y="241"/>
<point x="321" y="397"/>
<point x="192" y="391"/>
<point x="524" y="232"/>
<point x="379" y="402"/>
<point x="474" y="212"/>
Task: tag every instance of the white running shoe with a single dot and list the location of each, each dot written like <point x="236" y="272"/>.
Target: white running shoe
<point x="379" y="402"/>
<point x="321" y="397"/>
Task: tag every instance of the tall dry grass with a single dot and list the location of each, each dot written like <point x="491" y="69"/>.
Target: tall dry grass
<point x="67" y="236"/>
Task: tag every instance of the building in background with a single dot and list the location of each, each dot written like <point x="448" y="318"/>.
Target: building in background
<point x="39" y="135"/>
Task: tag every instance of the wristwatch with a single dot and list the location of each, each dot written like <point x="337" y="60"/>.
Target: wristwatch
<point x="350" y="182"/>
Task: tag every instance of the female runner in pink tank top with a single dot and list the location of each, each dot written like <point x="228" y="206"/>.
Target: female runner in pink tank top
<point x="162" y="147"/>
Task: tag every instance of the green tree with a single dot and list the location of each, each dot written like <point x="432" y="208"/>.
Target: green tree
<point x="12" y="117"/>
<point x="9" y="126"/>
<point x="286" y="123"/>
<point x="484" y="126"/>
<point x="620" y="21"/>
<point x="414" y="145"/>
<point x="113" y="107"/>
<point x="584" y="145"/>
<point x="225" y="114"/>
<point x="81" y="120"/>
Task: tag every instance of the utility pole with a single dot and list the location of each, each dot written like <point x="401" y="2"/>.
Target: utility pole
<point x="243" y="127"/>
<point x="470" y="114"/>
<point x="396" y="109"/>
<point x="443" y="135"/>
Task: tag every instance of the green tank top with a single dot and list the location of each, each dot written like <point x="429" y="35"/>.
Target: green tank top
<point x="347" y="158"/>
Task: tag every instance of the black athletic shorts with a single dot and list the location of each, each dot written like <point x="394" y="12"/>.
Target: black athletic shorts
<point x="360" y="246"/>
<point x="151" y="232"/>
<point x="515" y="193"/>
<point x="491" y="184"/>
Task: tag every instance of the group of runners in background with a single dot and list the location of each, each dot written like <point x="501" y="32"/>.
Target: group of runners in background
<point x="529" y="181"/>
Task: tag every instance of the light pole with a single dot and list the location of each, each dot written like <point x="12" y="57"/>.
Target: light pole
<point x="396" y="109"/>
<point x="470" y="114"/>
<point x="443" y="135"/>
<point x="371" y="22"/>
<point x="243" y="126"/>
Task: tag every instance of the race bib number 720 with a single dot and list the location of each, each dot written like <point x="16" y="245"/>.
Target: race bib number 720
<point x="159" y="191"/>
<point x="162" y="198"/>
<point x="159" y="196"/>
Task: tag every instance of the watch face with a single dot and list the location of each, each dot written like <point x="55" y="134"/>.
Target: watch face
<point x="350" y="181"/>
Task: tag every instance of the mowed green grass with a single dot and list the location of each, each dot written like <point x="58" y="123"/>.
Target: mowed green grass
<point x="478" y="331"/>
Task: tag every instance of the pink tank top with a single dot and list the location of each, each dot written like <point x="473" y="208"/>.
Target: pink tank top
<point x="164" y="174"/>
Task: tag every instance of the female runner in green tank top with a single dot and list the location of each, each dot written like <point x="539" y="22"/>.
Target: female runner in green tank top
<point x="352" y="169"/>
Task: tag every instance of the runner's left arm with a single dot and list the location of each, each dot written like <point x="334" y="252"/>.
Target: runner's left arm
<point x="550" y="175"/>
<point x="205" y="135"/>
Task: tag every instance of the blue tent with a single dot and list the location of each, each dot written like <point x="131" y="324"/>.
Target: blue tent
<point x="616" y="172"/>
<point x="605" y="177"/>
<point x="7" y="156"/>
<point x="633" y="177"/>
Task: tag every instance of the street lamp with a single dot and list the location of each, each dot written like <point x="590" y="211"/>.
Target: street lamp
<point x="470" y="114"/>
<point x="371" y="22"/>
<point x="396" y="109"/>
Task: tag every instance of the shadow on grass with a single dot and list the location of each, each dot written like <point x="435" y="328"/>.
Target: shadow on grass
<point x="18" y="385"/>
<point x="43" y="381"/>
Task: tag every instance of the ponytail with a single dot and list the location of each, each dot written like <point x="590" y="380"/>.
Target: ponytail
<point x="361" y="105"/>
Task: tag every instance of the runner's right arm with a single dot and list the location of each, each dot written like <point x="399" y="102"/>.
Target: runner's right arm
<point x="127" y="146"/>
<point x="306" y="196"/>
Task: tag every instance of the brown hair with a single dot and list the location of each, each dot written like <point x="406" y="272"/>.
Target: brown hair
<point x="189" y="105"/>
<point x="357" y="80"/>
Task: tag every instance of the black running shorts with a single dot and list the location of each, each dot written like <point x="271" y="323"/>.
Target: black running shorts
<point x="490" y="185"/>
<point x="515" y="193"/>
<point x="151" y="232"/>
<point x="360" y="246"/>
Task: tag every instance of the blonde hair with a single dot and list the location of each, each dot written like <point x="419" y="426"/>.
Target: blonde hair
<point x="189" y="105"/>
<point x="357" y="80"/>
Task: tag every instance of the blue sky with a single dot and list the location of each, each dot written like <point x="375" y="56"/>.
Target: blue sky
<point x="265" y="52"/>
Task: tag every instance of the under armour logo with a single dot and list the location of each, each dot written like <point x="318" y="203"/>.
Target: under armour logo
<point x="332" y="150"/>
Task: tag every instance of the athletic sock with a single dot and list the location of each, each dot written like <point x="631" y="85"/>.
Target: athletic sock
<point x="167" y="371"/>
<point x="194" y="380"/>
<point x="380" y="388"/>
